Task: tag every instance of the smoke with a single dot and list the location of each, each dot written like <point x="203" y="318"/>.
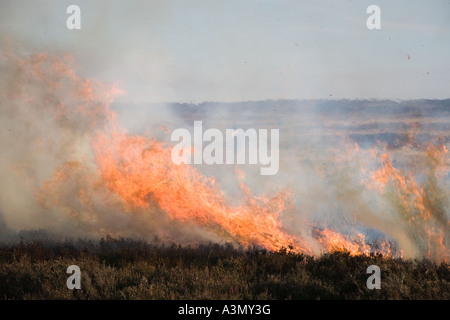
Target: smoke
<point x="50" y="117"/>
<point x="72" y="166"/>
<point x="331" y="156"/>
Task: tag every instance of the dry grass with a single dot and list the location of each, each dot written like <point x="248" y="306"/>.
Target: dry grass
<point x="129" y="269"/>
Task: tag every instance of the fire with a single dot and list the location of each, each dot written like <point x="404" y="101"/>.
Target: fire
<point x="420" y="204"/>
<point x="334" y="241"/>
<point x="140" y="171"/>
<point x="135" y="174"/>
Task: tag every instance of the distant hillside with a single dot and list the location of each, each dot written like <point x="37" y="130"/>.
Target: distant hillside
<point x="364" y="121"/>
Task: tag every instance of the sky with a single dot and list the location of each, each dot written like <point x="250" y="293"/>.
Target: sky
<point x="241" y="50"/>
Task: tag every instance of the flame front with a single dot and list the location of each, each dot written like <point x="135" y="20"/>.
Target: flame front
<point x="97" y="166"/>
<point x="421" y="205"/>
<point x="140" y="170"/>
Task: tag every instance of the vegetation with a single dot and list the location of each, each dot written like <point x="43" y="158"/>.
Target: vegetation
<point x="130" y="269"/>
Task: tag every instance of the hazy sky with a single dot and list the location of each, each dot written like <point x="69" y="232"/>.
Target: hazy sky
<point x="233" y="50"/>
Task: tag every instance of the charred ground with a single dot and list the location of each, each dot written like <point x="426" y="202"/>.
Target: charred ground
<point x="131" y="269"/>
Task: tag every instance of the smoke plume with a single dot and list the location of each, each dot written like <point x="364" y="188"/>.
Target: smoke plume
<point x="68" y="165"/>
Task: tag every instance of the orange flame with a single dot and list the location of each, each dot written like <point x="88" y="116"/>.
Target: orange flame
<point x="334" y="241"/>
<point x="421" y="205"/>
<point x="138" y="170"/>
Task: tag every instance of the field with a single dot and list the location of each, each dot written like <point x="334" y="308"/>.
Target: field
<point x="175" y="150"/>
<point x="131" y="269"/>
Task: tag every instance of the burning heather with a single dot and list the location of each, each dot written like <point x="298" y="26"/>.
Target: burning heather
<point x="69" y="165"/>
